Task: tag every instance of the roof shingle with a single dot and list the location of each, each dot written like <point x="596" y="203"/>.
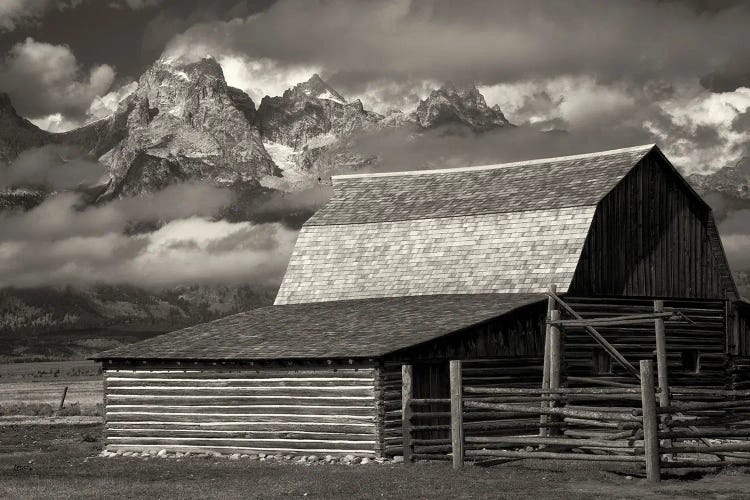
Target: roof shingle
<point x="512" y="187"/>
<point x="345" y="329"/>
<point x="513" y="228"/>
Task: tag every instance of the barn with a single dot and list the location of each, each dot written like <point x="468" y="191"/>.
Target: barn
<point x="423" y="267"/>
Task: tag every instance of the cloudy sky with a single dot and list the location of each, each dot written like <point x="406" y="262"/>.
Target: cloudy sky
<point x="673" y="71"/>
<point x="611" y="74"/>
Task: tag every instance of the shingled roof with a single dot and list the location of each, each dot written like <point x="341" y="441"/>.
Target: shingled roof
<point x="366" y="328"/>
<point x="510" y="228"/>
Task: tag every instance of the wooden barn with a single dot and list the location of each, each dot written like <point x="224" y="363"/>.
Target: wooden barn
<point x="428" y="266"/>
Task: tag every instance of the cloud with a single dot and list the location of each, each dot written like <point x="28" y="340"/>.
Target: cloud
<point x="15" y="12"/>
<point x="52" y="167"/>
<point x="703" y="130"/>
<point x="134" y="4"/>
<point x="735" y="236"/>
<point x="484" y="41"/>
<point x="63" y="242"/>
<point x="261" y="77"/>
<point x="56" y="122"/>
<point x="43" y="79"/>
<point x="191" y="250"/>
<point x="403" y="149"/>
<point x="101" y="107"/>
<point x="578" y="102"/>
<point x="105" y="105"/>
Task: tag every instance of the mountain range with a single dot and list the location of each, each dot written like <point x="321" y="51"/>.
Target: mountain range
<point x="183" y="122"/>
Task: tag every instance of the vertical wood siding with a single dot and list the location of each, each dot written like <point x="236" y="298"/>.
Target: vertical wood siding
<point x="651" y="237"/>
<point x="310" y="411"/>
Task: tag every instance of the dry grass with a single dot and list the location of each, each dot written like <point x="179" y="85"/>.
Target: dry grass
<point x="59" y="469"/>
<point x="35" y="389"/>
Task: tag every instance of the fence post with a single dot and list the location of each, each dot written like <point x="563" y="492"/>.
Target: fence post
<point x="543" y="419"/>
<point x="661" y="362"/>
<point x="650" y="425"/>
<point x="555" y="364"/>
<point x="62" y="399"/>
<point x="457" y="414"/>
<point x="407" y="392"/>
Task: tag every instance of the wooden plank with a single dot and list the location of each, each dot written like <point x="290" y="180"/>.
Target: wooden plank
<point x="551" y="305"/>
<point x="553" y="455"/>
<point x="457" y="413"/>
<point x="243" y="409"/>
<point x="252" y="426"/>
<point x="115" y="417"/>
<point x="650" y="426"/>
<point x="407" y="393"/>
<point x="192" y="433"/>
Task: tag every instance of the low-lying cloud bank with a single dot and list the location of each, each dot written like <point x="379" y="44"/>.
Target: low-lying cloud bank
<point x="165" y="239"/>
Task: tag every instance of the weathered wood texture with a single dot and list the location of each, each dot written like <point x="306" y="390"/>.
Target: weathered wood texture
<point x="705" y="339"/>
<point x="742" y="325"/>
<point x="517" y="333"/>
<point x="431" y="381"/>
<point x="305" y="411"/>
<point x="651" y="237"/>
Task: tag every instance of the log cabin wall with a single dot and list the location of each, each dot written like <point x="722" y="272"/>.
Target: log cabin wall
<point x="651" y="236"/>
<point x="431" y="381"/>
<point x="696" y="352"/>
<point x="331" y="410"/>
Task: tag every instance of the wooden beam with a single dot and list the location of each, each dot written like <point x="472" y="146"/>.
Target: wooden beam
<point x="599" y="338"/>
<point x="407" y="392"/>
<point x="457" y="414"/>
<point x="661" y="365"/>
<point x="551" y="305"/>
<point x="650" y="426"/>
<point x="555" y="364"/>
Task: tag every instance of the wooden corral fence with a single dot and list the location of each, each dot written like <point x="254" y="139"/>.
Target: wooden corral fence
<point x="644" y="422"/>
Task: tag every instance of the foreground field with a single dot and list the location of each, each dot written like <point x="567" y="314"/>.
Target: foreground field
<point x="36" y="388"/>
<point x="51" y="462"/>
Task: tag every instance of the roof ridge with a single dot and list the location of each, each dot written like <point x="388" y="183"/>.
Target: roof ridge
<point x="644" y="147"/>
<point x="308" y="223"/>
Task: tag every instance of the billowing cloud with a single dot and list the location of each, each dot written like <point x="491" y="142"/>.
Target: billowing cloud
<point x="62" y="242"/>
<point x="105" y="105"/>
<point x="703" y="130"/>
<point x="261" y="77"/>
<point x="52" y="167"/>
<point x="15" y="12"/>
<point x="192" y="250"/>
<point x="43" y="79"/>
<point x="487" y="41"/>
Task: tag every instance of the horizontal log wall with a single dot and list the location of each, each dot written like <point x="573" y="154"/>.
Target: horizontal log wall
<point x="740" y="372"/>
<point x="706" y="337"/>
<point x="310" y="411"/>
<point x="517" y="371"/>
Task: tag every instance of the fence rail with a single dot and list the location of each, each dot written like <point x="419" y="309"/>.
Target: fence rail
<point x="656" y="426"/>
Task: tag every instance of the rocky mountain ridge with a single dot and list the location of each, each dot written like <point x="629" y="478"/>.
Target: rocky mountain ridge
<point x="732" y="181"/>
<point x="183" y="122"/>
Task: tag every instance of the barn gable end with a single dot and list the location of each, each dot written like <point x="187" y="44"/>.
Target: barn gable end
<point x="653" y="236"/>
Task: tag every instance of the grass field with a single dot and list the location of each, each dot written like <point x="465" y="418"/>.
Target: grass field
<point x="36" y="388"/>
<point x="51" y="462"/>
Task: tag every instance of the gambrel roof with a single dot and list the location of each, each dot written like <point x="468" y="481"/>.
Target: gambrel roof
<point x="510" y="228"/>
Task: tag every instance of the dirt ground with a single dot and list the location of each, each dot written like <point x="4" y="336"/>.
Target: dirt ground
<point x="52" y="461"/>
